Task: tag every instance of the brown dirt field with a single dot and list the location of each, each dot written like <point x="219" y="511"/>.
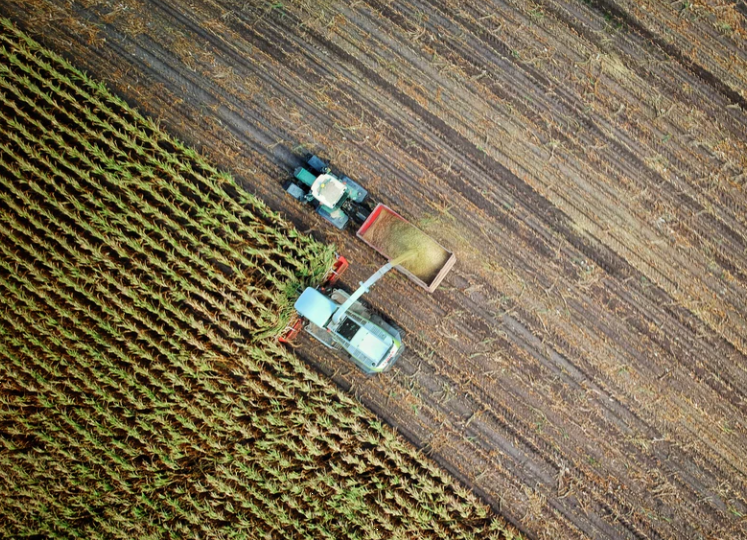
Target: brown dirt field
<point x="584" y="365"/>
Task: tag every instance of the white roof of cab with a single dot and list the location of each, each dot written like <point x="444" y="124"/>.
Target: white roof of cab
<point x="328" y="190"/>
<point x="315" y="307"/>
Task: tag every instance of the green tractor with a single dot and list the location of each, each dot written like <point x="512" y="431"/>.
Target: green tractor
<point x="336" y="198"/>
<point x="340" y="320"/>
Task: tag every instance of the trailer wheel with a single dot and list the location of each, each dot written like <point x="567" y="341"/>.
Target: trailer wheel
<point x="358" y="212"/>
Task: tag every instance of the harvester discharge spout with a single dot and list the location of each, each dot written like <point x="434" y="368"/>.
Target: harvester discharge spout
<point x="365" y="286"/>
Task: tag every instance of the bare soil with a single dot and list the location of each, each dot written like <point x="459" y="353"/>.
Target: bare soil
<point x="584" y="365"/>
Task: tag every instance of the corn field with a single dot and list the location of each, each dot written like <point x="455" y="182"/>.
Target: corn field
<point x="142" y="390"/>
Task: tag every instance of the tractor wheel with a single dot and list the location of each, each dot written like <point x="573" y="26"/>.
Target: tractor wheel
<point x="294" y="190"/>
<point x="318" y="165"/>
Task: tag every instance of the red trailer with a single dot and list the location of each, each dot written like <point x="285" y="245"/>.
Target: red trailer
<point x="392" y="235"/>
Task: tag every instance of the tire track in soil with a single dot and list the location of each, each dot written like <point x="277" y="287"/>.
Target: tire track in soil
<point x="453" y="300"/>
<point x="449" y="378"/>
<point x="717" y="228"/>
<point x="683" y="198"/>
<point x="609" y="8"/>
<point x="543" y="455"/>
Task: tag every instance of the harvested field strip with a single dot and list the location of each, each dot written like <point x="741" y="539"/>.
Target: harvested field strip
<point x="143" y="393"/>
